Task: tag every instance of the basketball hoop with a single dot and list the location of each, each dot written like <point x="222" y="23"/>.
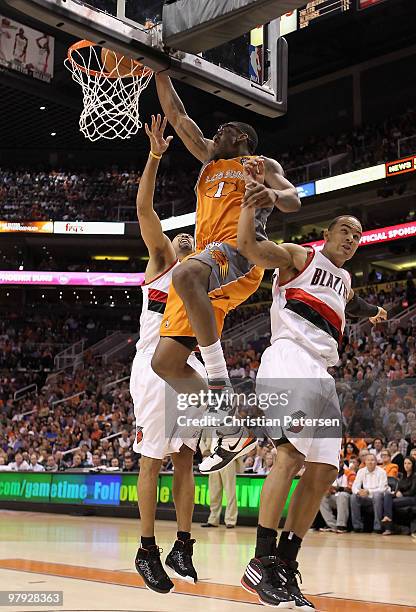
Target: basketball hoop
<point x="111" y="86"/>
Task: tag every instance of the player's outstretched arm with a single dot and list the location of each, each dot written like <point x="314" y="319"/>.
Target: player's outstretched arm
<point x="184" y="126"/>
<point x="357" y="307"/>
<point x="276" y="190"/>
<point x="157" y="242"/>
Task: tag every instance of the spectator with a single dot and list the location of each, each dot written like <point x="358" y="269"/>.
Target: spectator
<point x="368" y="490"/>
<point x="248" y="464"/>
<point x="376" y="449"/>
<point x="350" y="449"/>
<point x="115" y="464"/>
<point x="391" y="469"/>
<point x="34" y="466"/>
<point x="362" y="456"/>
<point x="124" y="441"/>
<point x="267" y="463"/>
<point x="129" y="465"/>
<point x="401" y="442"/>
<point x="396" y="456"/>
<point x="77" y="462"/>
<point x="19" y="465"/>
<point x="405" y="496"/>
<point x="338" y="498"/>
<point x="51" y="465"/>
<point x="4" y="467"/>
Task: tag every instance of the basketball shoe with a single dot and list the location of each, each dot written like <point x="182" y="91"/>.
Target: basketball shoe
<point x="227" y="450"/>
<point x="263" y="577"/>
<point x="180" y="560"/>
<point x="150" y="568"/>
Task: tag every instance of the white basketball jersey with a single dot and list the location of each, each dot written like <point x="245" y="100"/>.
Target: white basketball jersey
<point x="310" y="308"/>
<point x="155" y="295"/>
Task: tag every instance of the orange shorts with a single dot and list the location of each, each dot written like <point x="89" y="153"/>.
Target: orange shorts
<point x="233" y="280"/>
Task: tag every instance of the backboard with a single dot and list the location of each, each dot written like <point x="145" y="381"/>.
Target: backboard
<point x="250" y="70"/>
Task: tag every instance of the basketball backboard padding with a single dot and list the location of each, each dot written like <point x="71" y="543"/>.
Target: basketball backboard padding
<point x="199" y="25"/>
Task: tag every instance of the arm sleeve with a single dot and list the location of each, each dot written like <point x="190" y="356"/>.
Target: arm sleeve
<point x="357" y="307"/>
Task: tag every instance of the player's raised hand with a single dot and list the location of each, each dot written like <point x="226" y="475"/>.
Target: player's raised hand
<point x="379" y="317"/>
<point x="158" y="143"/>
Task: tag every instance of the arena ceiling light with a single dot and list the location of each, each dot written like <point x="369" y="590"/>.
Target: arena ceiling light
<point x="110" y="257"/>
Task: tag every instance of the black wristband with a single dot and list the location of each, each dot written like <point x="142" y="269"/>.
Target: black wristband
<point x="357" y="307"/>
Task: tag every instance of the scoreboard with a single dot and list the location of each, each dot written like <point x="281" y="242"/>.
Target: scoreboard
<point x="322" y="8"/>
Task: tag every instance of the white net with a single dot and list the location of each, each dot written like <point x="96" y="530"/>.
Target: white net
<point x="110" y="95"/>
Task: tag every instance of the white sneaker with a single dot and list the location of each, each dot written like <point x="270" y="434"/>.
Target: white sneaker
<point x="228" y="450"/>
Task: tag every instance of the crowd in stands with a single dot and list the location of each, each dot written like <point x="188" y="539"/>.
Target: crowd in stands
<point x="365" y="146"/>
<point x="110" y="195"/>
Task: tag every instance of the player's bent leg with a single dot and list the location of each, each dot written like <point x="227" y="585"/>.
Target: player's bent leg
<point x="191" y="281"/>
<point x="169" y="362"/>
<point x="180" y="557"/>
<point x="147" y="562"/>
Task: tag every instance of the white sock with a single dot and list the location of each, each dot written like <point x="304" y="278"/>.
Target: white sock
<point x="214" y="361"/>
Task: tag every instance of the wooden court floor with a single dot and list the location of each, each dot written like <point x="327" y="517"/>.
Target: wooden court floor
<point x="90" y="559"/>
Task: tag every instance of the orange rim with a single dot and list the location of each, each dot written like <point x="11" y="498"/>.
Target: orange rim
<point x="138" y="70"/>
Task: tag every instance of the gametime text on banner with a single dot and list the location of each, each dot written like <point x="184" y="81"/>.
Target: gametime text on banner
<point x="116" y="490"/>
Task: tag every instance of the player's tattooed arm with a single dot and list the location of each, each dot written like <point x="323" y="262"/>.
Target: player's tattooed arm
<point x="276" y="190"/>
<point x="161" y="251"/>
<point x="187" y="130"/>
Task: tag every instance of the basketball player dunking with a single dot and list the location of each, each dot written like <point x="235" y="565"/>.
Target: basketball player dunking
<point x="217" y="278"/>
<point x="148" y="390"/>
<point x="311" y="294"/>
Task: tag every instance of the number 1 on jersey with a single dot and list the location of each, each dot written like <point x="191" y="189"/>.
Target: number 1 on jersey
<point x="218" y="193"/>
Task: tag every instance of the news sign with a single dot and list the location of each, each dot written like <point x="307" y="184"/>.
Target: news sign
<point x="26" y="50"/>
<point x="401" y="166"/>
<point x="72" y="279"/>
<point x="32" y="227"/>
<point x="383" y="234"/>
<point x="89" y="228"/>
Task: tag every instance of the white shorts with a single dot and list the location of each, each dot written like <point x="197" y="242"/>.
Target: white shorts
<point x="153" y="430"/>
<point x="314" y="396"/>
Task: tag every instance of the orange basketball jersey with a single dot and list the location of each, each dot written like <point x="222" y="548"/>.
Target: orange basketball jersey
<point x="220" y="190"/>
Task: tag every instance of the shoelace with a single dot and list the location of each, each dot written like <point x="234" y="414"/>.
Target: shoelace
<point x="292" y="576"/>
<point x="273" y="573"/>
<point x="185" y="554"/>
<point x="153" y="561"/>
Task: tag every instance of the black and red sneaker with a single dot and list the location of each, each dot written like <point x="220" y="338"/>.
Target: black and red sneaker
<point x="263" y="577"/>
<point x="180" y="560"/>
<point x="150" y="568"/>
<point x="290" y="570"/>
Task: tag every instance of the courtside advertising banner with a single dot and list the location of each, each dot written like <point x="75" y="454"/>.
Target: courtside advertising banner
<point x="382" y="234"/>
<point x="77" y="279"/>
<point x="26" y="50"/>
<point x="85" y="228"/>
<point x="118" y="490"/>
<point x="32" y="227"/>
